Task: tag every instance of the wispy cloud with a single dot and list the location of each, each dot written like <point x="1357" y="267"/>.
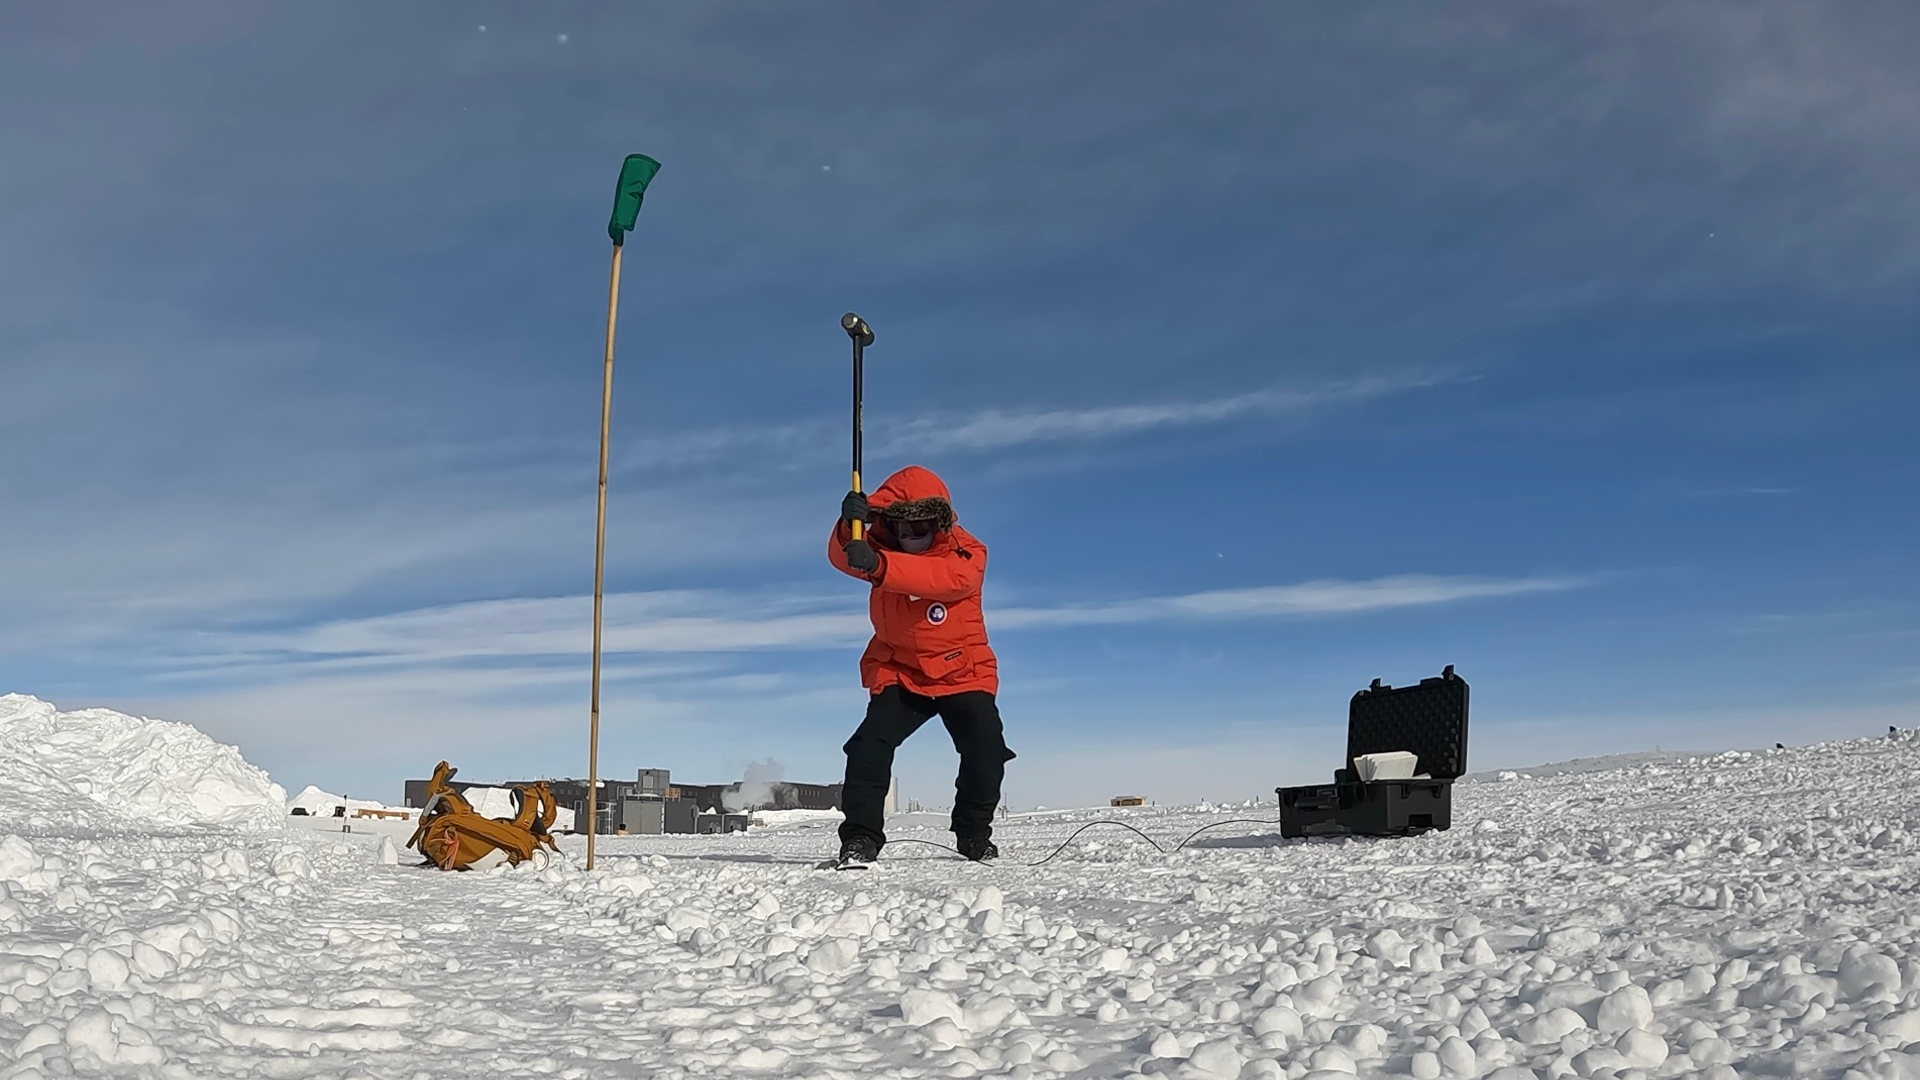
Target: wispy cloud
<point x="280" y="550"/>
<point x="1852" y="621"/>
<point x="720" y="621"/>
<point x="1000" y="429"/>
<point x="988" y="430"/>
<point x="1744" y="491"/>
<point x="670" y="621"/>
<point x="1288" y="601"/>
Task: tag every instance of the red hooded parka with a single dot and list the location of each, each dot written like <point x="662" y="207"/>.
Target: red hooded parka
<point x="929" y="635"/>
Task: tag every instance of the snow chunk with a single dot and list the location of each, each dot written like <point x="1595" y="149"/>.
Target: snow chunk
<point x="987" y="1013"/>
<point x="97" y="1038"/>
<point x="1590" y="1061"/>
<point x="108" y="970"/>
<point x="1711" y="1050"/>
<point x="683" y="920"/>
<point x="1457" y="1057"/>
<point x="1698" y="982"/>
<point x="988" y="923"/>
<point x="39" y="1035"/>
<point x="760" y="1059"/>
<point x="855" y="922"/>
<point x="1425" y="958"/>
<point x="944" y="1034"/>
<point x="1862" y="969"/>
<point x="923" y="1007"/>
<point x="1566" y="941"/>
<point x="1278" y="1020"/>
<point x="1626" y="1009"/>
<point x="1550" y="1027"/>
<point x="276" y="1037"/>
<point x="629" y="884"/>
<point x="1641" y="1049"/>
<point x="1333" y="1059"/>
<point x="150" y="962"/>
<point x="230" y="864"/>
<point x="23" y="866"/>
<point x="1317" y="997"/>
<point x="1218" y="1058"/>
<point x="832" y="956"/>
<point x="1363" y="1041"/>
<point x="292" y="864"/>
<point x="1279" y="974"/>
<point x="1900" y="1029"/>
<point x="1388" y="945"/>
<point x="1474" y="1023"/>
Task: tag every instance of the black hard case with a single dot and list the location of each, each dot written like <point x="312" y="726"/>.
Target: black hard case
<point x="1428" y="719"/>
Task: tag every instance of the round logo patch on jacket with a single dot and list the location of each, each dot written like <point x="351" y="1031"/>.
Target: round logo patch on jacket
<point x="936" y="613"/>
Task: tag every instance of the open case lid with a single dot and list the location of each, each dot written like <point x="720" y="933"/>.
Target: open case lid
<point x="1429" y="719"/>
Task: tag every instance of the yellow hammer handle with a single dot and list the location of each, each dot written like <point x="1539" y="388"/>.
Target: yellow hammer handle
<point x="859" y="527"/>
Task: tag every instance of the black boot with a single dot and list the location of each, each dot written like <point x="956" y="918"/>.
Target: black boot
<point x="857" y="853"/>
<point x="978" y="848"/>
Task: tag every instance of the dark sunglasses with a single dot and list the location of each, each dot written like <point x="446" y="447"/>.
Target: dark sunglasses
<point x="914" y="527"/>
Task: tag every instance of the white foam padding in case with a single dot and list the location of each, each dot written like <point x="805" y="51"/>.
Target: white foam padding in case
<point x="1392" y="765"/>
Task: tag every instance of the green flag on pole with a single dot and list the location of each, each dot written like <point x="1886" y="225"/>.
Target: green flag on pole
<point x="635" y="174"/>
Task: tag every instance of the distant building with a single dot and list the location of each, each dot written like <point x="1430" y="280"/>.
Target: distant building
<point x="651" y="803"/>
<point x="1128" y="800"/>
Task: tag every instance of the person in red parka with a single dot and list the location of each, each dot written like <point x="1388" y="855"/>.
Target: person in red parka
<point x="929" y="657"/>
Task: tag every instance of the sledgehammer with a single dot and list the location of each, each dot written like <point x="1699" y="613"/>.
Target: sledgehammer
<point x="862" y="335"/>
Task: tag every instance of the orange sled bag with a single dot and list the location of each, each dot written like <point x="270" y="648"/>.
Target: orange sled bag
<point x="454" y="836"/>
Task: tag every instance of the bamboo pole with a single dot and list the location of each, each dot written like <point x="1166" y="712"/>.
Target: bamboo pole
<point x="600" y="556"/>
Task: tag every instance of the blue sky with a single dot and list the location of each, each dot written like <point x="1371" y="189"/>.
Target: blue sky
<point x="1271" y="349"/>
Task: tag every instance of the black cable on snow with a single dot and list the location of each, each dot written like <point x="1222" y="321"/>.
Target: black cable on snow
<point x="1064" y="844"/>
<point x="1071" y="837"/>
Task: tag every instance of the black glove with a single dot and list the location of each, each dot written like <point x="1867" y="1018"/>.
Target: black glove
<point x="861" y="556"/>
<point x="854" y="508"/>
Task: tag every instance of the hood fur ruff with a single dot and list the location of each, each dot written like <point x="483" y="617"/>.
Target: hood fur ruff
<point x="932" y="508"/>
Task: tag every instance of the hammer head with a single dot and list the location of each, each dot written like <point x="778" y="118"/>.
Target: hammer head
<point x="857" y="328"/>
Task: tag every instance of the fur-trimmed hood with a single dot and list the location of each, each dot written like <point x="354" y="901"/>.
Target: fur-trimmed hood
<point x="915" y="494"/>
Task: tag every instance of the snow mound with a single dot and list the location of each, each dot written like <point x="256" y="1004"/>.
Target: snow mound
<point x="97" y="769"/>
<point x="320" y="803"/>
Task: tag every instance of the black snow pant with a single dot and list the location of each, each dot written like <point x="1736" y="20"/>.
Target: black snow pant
<point x="972" y="718"/>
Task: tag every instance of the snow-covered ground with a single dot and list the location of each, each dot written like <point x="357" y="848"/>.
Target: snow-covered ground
<point x="1750" y="914"/>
